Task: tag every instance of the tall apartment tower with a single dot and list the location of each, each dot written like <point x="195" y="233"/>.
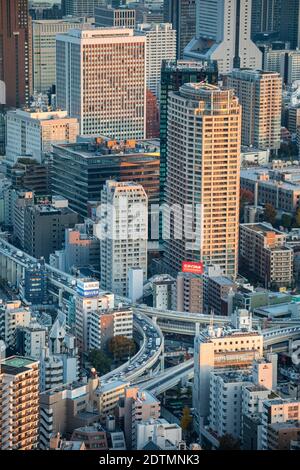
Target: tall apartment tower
<point x="124" y="234"/>
<point x="173" y="75"/>
<point x="223" y="33"/>
<point x="202" y="183"/>
<point x="160" y="45"/>
<point x="260" y="94"/>
<point x="15" y="51"/>
<point x="100" y="79"/>
<point x="19" y="411"/>
<point x="182" y="15"/>
<point x="265" y="16"/>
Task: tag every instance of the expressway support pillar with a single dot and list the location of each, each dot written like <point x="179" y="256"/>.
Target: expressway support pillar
<point x="60" y="297"/>
<point x="291" y="347"/>
<point x="162" y="362"/>
<point x="154" y="319"/>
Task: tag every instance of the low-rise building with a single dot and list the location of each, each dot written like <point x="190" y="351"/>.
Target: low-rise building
<point x="263" y="253"/>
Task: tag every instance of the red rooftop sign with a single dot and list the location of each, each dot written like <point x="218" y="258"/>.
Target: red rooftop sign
<point x="194" y="268"/>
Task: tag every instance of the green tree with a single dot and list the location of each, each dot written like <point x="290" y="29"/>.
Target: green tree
<point x="246" y="197"/>
<point x="100" y="361"/>
<point x="186" y="420"/>
<point x="228" y="442"/>
<point x="120" y="346"/>
<point x="286" y="220"/>
<point x="270" y="214"/>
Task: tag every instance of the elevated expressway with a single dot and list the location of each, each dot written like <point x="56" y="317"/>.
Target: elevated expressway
<point x="63" y="286"/>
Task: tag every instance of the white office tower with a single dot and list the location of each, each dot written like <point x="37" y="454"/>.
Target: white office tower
<point x="160" y="45"/>
<point x="215" y="349"/>
<point x="123" y="234"/>
<point x="100" y="79"/>
<point x="88" y="299"/>
<point x="135" y="283"/>
<point x="223" y="33"/>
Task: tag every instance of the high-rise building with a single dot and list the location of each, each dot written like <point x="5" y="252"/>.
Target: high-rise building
<point x="33" y="133"/>
<point x="265" y="16"/>
<point x="107" y="17"/>
<point x="19" y="412"/>
<point x="182" y="15"/>
<point x="15" y="69"/>
<point x="173" y="75"/>
<point x="202" y="184"/>
<point x="44" y="49"/>
<point x="160" y="45"/>
<point x="88" y="165"/>
<point x="12" y="316"/>
<point x="124" y="234"/>
<point x="216" y="349"/>
<point x="223" y="33"/>
<point x="80" y="7"/>
<point x="44" y="228"/>
<point x="100" y="79"/>
<point x="289" y="23"/>
<point x="260" y="94"/>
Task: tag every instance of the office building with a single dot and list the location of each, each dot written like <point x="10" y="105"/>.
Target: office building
<point x="289" y="23"/>
<point x="136" y="406"/>
<point x="81" y="249"/>
<point x="94" y="437"/>
<point x="34" y="285"/>
<point x="260" y="94"/>
<point x="108" y="17"/>
<point x="26" y="173"/>
<point x="279" y="187"/>
<point x="278" y="411"/>
<point x="88" y="165"/>
<point x="152" y="116"/>
<point x="80" y="8"/>
<point x="263" y="252"/>
<point x="251" y="156"/>
<point x="162" y="434"/>
<point x="111" y="63"/>
<point x="218" y="349"/>
<point x="32" y="134"/>
<point x="31" y="340"/>
<point x="66" y="408"/>
<point x="19" y="412"/>
<point x="160" y="45"/>
<point x="173" y="75"/>
<point x="215" y="296"/>
<point x="13" y="316"/>
<point x="44" y="228"/>
<point x="266" y="15"/>
<point x="124" y="234"/>
<point x="189" y="292"/>
<point x="135" y="283"/>
<point x="285" y="62"/>
<point x="44" y="49"/>
<point x="225" y="401"/>
<point x="103" y="326"/>
<point x="182" y="15"/>
<point x="223" y="33"/>
<point x="88" y="300"/>
<point x="202" y="174"/>
<point x="15" y="52"/>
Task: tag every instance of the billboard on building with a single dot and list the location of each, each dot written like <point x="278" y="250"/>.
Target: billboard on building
<point x="192" y="267"/>
<point x="87" y="288"/>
